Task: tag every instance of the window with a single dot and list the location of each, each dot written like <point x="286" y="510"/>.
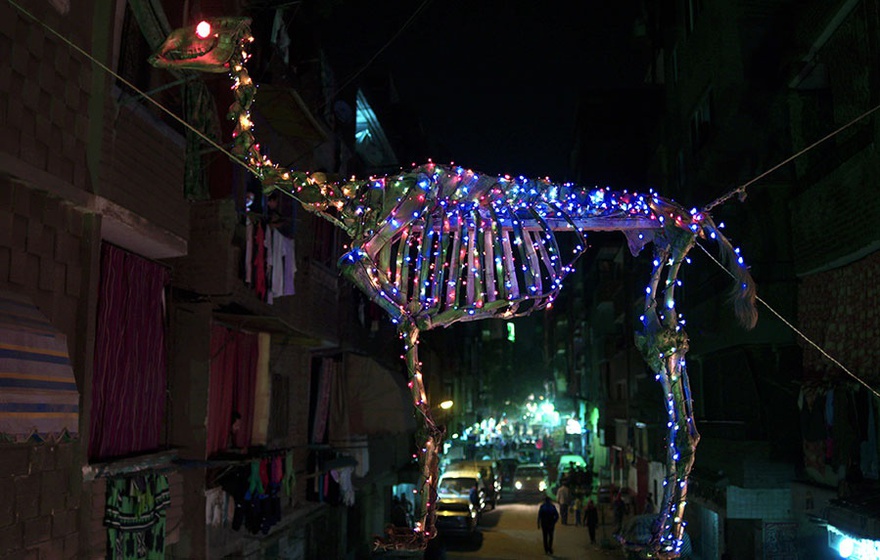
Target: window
<point x="232" y="388"/>
<point x="325" y="250"/>
<point x="133" y="65"/>
<point x="620" y="393"/>
<point x="694" y="8"/>
<point x="675" y="65"/>
<point x="324" y="370"/>
<point x="606" y="380"/>
<point x="134" y="54"/>
<point x="680" y="173"/>
<point x="701" y="122"/>
<point x="130" y="370"/>
<point x="279" y="418"/>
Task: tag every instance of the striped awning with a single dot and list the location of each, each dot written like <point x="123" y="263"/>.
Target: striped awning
<point x="38" y="395"/>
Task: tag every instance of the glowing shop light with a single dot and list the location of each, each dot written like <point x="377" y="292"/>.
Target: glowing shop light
<point x="852" y="547"/>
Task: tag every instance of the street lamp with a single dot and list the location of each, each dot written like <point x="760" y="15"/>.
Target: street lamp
<point x="446" y="405"/>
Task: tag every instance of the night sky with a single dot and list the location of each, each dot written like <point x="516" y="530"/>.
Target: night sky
<point x="494" y="83"/>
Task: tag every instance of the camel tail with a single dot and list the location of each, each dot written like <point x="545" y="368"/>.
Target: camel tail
<point x="743" y="294"/>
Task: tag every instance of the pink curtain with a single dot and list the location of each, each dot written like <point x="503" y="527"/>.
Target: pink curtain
<point x="232" y="388"/>
<point x="128" y="385"/>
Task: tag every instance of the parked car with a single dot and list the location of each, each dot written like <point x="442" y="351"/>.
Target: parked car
<point x="529" y="481"/>
<point x="508" y="468"/>
<point x="456" y="516"/>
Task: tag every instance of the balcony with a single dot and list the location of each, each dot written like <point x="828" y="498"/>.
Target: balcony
<point x="215" y="267"/>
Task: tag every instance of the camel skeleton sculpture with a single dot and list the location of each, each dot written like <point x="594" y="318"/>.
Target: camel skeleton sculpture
<point x="441" y="244"/>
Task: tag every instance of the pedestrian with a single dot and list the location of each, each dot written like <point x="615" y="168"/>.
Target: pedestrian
<point x="475" y="497"/>
<point x="563" y="496"/>
<point x="619" y="508"/>
<point x="649" y="503"/>
<point x="398" y="513"/>
<point x="578" y="506"/>
<point x="591" y="513"/>
<point x="547" y="518"/>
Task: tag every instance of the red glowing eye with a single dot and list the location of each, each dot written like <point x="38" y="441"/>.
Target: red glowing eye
<point x="203" y="29"/>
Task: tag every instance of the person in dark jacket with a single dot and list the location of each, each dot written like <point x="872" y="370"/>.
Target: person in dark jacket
<point x="619" y="508"/>
<point x="592" y="520"/>
<point x="547" y="518"/>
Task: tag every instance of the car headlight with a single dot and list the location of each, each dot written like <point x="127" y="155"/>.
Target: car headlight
<point x="517" y="485"/>
<point x="542" y="486"/>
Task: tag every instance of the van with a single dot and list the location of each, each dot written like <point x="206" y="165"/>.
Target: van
<point x="489" y="470"/>
<point x="456" y="484"/>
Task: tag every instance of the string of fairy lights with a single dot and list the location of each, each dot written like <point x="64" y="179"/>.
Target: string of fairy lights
<point x="456" y="232"/>
<point x="470" y="246"/>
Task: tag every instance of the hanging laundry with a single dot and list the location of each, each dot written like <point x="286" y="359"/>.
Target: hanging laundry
<point x="248" y="249"/>
<point x="289" y="265"/>
<point x="268" y="243"/>
<point x="255" y="489"/>
<point x="276" y="263"/>
<point x="343" y="478"/>
<point x="214" y="507"/>
<point x="260" y="262"/>
<point x="135" y="517"/>
<point x="288" y="483"/>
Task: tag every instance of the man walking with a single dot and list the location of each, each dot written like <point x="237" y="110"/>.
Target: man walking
<point x="592" y="520"/>
<point x="563" y="496"/>
<point x="619" y="508"/>
<point x="547" y="518"/>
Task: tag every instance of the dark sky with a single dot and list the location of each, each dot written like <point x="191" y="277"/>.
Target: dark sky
<point x="496" y="82"/>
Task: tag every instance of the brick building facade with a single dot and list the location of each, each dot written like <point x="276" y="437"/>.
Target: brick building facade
<point x="86" y="165"/>
<point x="746" y="85"/>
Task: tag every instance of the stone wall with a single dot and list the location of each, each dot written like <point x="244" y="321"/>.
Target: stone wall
<point x="45" y="254"/>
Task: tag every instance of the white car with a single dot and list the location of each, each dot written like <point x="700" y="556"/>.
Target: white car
<point x="529" y="481"/>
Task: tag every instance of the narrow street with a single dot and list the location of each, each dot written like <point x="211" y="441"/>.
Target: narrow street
<point x="510" y="532"/>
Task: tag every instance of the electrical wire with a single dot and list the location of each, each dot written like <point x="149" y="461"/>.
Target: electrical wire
<point x="716" y="202"/>
<point x="380" y="51"/>
<point x="132" y="86"/>
<point x="795" y="329"/>
<point x="741" y="190"/>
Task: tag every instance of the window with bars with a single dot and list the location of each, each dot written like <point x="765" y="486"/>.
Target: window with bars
<point x="133" y="67"/>
<point x="701" y="122"/>
<point x="694" y="8"/>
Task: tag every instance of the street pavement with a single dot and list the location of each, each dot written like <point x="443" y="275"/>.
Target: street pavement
<point x="511" y="532"/>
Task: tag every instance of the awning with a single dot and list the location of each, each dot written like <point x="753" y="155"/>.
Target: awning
<point x="38" y="395"/>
